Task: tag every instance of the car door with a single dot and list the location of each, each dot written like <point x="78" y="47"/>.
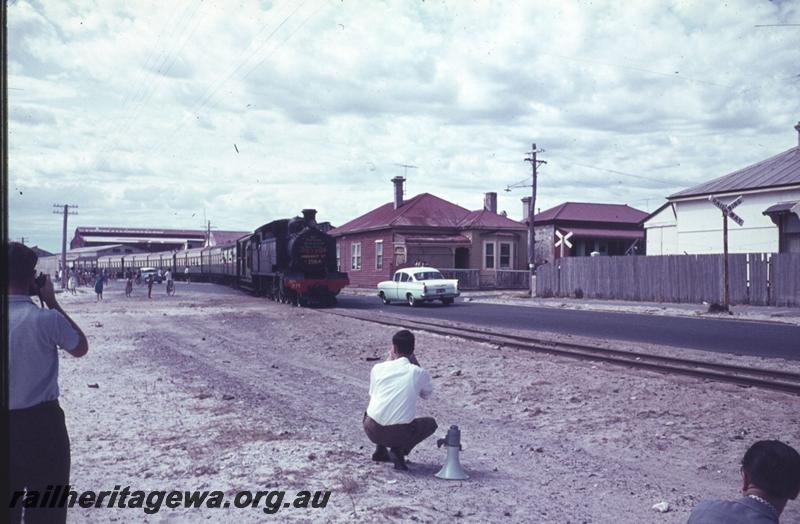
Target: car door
<point x="404" y="287"/>
<point x="392" y="292"/>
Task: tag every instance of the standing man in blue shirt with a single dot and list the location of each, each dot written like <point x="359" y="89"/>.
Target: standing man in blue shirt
<point x="770" y="477"/>
<point x="39" y="441"/>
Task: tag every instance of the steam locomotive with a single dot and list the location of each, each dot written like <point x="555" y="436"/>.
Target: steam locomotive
<point x="290" y="260"/>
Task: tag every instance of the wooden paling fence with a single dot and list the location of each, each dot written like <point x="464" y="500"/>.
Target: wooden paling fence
<point x="504" y="278"/>
<point x="755" y="278"/>
<point x="467" y="278"/>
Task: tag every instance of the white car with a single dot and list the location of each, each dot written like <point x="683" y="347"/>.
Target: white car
<point x="148" y="271"/>
<point x="418" y="284"/>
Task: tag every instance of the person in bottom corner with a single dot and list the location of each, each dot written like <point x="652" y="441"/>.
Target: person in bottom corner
<point x="770" y="477"/>
<point x="39" y="443"/>
<point x="394" y="387"/>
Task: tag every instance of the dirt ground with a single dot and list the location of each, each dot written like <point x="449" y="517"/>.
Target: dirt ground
<point x="216" y="390"/>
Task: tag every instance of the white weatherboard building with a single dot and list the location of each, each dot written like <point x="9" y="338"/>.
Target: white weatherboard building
<point x="689" y="224"/>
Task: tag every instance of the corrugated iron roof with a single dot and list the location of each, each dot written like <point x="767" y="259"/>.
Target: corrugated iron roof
<point x="424" y="210"/>
<point x="581" y="232"/>
<point x="222" y="238"/>
<point x="139" y="231"/>
<point x="483" y="218"/>
<point x="435" y="239"/>
<point x="780" y="207"/>
<point x="591" y="212"/>
<point x="780" y="170"/>
<point x="139" y="239"/>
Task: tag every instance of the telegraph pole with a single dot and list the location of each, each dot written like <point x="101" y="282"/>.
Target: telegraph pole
<point x="57" y="209"/>
<point x="531" y="211"/>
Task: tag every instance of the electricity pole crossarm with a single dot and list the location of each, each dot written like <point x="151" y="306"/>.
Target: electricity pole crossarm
<point x="66" y="209"/>
<point x="531" y="233"/>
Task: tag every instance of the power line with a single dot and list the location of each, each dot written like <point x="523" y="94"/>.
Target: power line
<point x="206" y="98"/>
<point x="616" y="172"/>
<point x="147" y="93"/>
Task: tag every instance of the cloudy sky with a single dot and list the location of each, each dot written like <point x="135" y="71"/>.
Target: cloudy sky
<point x="152" y="113"/>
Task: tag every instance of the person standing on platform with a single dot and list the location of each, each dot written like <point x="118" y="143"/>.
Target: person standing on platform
<point x="98" y="287"/>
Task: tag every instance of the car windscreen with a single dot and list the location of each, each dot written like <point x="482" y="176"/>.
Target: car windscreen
<point x="428" y="275"/>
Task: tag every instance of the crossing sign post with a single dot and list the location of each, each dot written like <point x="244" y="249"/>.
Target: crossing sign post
<point x="727" y="212"/>
<point x="563" y="240"/>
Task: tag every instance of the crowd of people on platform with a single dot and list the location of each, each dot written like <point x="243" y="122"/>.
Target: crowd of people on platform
<point x="99" y="278"/>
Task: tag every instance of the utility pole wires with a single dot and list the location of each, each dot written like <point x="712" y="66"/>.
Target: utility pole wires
<point x="67" y="210"/>
<point x="531" y="211"/>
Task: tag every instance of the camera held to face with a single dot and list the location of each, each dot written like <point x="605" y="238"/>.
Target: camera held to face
<point x="38" y="284"/>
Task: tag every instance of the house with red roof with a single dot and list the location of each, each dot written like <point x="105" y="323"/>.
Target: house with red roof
<point x="429" y="230"/>
<point x="605" y="229"/>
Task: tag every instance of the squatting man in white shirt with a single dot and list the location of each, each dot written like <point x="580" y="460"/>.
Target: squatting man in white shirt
<point x="394" y="387"/>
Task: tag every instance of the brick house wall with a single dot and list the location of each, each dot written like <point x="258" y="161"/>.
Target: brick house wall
<point x="368" y="275"/>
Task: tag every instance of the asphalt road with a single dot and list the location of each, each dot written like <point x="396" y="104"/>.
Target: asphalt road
<point x="765" y="339"/>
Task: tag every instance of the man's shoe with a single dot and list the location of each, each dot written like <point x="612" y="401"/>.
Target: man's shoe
<point x="381" y="454"/>
<point x="396" y="455"/>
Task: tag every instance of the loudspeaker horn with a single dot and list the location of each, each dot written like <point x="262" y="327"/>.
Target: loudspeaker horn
<point x="452" y="469"/>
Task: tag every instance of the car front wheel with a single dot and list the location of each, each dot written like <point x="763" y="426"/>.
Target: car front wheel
<point x="385" y="300"/>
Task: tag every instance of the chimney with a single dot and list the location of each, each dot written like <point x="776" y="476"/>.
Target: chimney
<point x="526" y="208"/>
<point x="398" y="191"/>
<point x="490" y="202"/>
<point x="310" y="215"/>
<point x="797" y="128"/>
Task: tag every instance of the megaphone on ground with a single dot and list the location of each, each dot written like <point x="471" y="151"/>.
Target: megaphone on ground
<point x="452" y="469"/>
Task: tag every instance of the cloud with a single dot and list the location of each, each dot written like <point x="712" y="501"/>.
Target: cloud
<point x="133" y="110"/>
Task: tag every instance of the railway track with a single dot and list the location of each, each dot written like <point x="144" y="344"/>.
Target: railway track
<point x="772" y="379"/>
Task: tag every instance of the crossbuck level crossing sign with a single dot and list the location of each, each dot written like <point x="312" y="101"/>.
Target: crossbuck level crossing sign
<point x="727" y="209"/>
<point x="563" y="240"/>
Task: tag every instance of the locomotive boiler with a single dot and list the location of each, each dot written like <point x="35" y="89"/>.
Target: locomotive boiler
<point x="291" y="260"/>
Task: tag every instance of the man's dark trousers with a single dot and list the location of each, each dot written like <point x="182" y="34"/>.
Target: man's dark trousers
<point x="400" y="436"/>
<point x="39" y="458"/>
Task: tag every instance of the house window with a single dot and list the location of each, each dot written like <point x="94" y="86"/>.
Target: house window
<point x="505" y="255"/>
<point x="399" y="255"/>
<point x="338" y="257"/>
<point x="379" y="254"/>
<point x="488" y="255"/>
<point x="355" y="256"/>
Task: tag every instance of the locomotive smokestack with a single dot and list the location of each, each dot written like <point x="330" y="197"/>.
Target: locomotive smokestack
<point x="398" y="191"/>
<point x="490" y="202"/>
<point x="310" y="215"/>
